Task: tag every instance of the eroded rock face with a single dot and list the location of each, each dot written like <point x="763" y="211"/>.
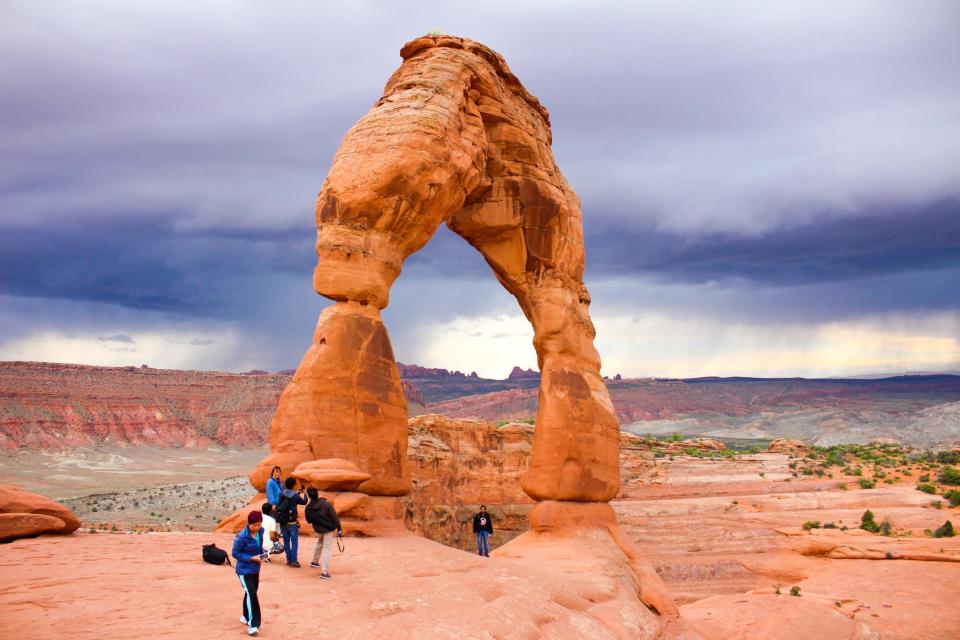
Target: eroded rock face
<point x="788" y="446"/>
<point x="24" y="514"/>
<point x="455" y="139"/>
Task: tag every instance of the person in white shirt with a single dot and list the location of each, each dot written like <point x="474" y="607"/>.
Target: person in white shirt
<point x="271" y="531"/>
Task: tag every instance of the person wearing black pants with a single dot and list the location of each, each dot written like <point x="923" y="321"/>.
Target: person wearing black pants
<point x="247" y="549"/>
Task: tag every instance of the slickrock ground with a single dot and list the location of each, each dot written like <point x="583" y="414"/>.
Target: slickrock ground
<point x="716" y="529"/>
<point x="122" y="586"/>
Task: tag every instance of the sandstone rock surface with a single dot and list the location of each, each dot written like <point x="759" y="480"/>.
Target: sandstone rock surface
<point x="25" y="514"/>
<point x="788" y="446"/>
<point x="454" y="139"/>
<point x="331" y="474"/>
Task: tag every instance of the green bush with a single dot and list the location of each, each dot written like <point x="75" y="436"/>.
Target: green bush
<point x="949" y="475"/>
<point x="924" y="477"/>
<point x="945" y="530"/>
<point x="953" y="496"/>
<point x="948" y="457"/>
<point x="842" y="486"/>
<point x="858" y="471"/>
<point x="795" y="591"/>
<point x="867" y="523"/>
<point x="811" y="524"/>
<point x="927" y="488"/>
<point x="829" y="525"/>
<point x="867" y="484"/>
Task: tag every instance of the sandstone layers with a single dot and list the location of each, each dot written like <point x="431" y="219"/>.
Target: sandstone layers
<point x="24" y="514"/>
<point x="455" y="139"/>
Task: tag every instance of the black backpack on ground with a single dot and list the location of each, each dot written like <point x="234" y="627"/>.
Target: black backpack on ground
<point x="213" y="555"/>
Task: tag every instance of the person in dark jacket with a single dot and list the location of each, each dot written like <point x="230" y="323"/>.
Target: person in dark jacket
<point x="289" y="520"/>
<point x="274" y="486"/>
<point x="247" y="548"/>
<point x="321" y="514"/>
<point x="483" y="527"/>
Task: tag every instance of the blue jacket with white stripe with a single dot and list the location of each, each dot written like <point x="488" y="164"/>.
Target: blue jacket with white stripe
<point x="245" y="547"/>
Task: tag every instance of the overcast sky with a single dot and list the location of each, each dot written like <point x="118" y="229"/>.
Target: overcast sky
<point x="768" y="188"/>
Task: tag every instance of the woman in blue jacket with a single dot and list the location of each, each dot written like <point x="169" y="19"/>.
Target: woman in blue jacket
<point x="274" y="487"/>
<point x="247" y="547"/>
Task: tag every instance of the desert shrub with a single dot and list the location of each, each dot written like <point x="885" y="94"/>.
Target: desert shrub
<point x="867" y="484"/>
<point x="795" y="592"/>
<point x="829" y="525"/>
<point x="530" y="421"/>
<point x="793" y="465"/>
<point x="886" y="527"/>
<point x="924" y="477"/>
<point x="858" y="471"/>
<point x="763" y="475"/>
<point x="95" y="509"/>
<point x="867" y="523"/>
<point x="842" y="486"/>
<point x="948" y="457"/>
<point x="676" y="437"/>
<point x="953" y="496"/>
<point x="937" y="504"/>
<point x="889" y="480"/>
<point x="834" y="458"/>
<point x="927" y="488"/>
<point x="944" y="531"/>
<point x="777" y="589"/>
<point x="92" y="530"/>
<point x="807" y="471"/>
<point x="949" y="475"/>
<point x="889" y="556"/>
<point x="811" y="524"/>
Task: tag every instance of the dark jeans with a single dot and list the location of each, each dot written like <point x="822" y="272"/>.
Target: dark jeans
<point x="483" y="543"/>
<point x="291" y="535"/>
<point x="251" y="605"/>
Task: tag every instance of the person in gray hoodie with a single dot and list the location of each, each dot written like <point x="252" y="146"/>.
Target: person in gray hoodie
<point x="321" y="514"/>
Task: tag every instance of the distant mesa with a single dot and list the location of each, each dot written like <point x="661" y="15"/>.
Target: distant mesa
<point x="523" y="374"/>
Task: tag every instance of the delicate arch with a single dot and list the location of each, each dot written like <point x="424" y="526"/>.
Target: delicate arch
<point x="455" y="139"/>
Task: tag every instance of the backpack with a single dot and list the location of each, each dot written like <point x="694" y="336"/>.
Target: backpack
<point x="213" y="555"/>
<point x="283" y="514"/>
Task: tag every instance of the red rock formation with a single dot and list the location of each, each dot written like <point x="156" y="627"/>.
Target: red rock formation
<point x="788" y="446"/>
<point x="24" y="514"/>
<point x="456" y="139"/>
<point x="52" y="406"/>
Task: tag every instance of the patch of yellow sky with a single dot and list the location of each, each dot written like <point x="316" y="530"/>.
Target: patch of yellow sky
<point x="669" y="346"/>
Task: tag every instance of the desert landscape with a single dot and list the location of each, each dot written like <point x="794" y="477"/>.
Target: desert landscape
<point x="744" y="217"/>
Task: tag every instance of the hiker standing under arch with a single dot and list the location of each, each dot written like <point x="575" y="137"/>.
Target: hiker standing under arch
<point x="483" y="527"/>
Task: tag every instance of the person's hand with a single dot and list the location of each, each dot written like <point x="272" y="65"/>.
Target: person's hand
<point x="340" y="533"/>
<point x="255" y="559"/>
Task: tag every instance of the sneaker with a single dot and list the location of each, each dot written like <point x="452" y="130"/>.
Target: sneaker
<point x="243" y="620"/>
<point x="295" y="564"/>
<point x="325" y="576"/>
<point x="314" y="565"/>
<point x="252" y="631"/>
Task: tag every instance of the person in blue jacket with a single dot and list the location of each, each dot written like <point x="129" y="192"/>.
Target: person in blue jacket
<point x="274" y="486"/>
<point x="247" y="549"/>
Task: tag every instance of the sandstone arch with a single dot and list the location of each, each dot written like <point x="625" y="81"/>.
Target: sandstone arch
<point x="455" y="139"/>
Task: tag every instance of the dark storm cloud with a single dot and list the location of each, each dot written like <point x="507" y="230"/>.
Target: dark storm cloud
<point x="145" y="263"/>
<point x="825" y="250"/>
<point x="165" y="157"/>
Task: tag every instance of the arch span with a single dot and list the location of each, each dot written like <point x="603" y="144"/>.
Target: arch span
<point x="456" y="139"/>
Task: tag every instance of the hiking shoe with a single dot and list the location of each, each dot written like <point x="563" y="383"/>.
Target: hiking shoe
<point x="243" y="620"/>
<point x="295" y="564"/>
<point x="325" y="576"/>
<point x="314" y="565"/>
<point x="252" y="631"/>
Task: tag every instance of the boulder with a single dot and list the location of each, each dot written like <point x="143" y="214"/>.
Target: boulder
<point x="331" y="474"/>
<point x="788" y="446"/>
<point x="25" y="514"/>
